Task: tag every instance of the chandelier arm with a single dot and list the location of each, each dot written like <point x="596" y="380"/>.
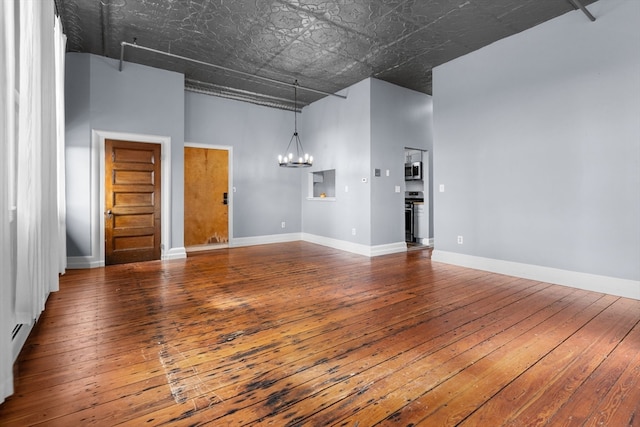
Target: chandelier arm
<point x="289" y="146"/>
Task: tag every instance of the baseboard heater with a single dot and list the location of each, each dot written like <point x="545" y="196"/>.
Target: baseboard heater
<point x="16" y="330"/>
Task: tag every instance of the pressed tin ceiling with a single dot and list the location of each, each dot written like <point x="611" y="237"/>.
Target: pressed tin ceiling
<point x="324" y="44"/>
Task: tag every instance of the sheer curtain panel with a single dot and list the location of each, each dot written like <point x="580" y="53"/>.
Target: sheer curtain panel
<point x="7" y="129"/>
<point x="33" y="241"/>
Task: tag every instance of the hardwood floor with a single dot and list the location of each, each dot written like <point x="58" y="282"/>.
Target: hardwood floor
<point x="299" y="334"/>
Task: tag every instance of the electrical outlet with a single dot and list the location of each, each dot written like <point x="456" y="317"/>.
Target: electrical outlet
<point x="353" y="231"/>
<point x="460" y="240"/>
<point x="283" y="225"/>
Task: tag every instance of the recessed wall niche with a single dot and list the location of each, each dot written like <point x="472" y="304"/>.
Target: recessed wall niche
<point x="322" y="184"/>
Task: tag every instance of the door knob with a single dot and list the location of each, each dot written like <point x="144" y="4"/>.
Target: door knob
<point x="108" y="214"/>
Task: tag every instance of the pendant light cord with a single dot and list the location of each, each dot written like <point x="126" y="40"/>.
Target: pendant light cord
<point x="295" y="106"/>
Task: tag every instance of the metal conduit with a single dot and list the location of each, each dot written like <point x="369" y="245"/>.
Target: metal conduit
<point x="578" y="5"/>
<point x="220" y="67"/>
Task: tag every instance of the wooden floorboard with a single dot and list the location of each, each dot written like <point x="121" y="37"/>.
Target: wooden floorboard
<point x="299" y="334"/>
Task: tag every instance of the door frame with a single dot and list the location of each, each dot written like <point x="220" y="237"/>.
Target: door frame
<point x="98" y="192"/>
<point x="230" y="190"/>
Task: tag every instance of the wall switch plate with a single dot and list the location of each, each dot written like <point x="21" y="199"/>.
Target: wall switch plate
<point x="353" y="231"/>
<point x="460" y="240"/>
<point x="346" y="188"/>
<point x="283" y="224"/>
<point x="442" y="188"/>
<point x="376" y="172"/>
<point x="397" y="188"/>
<point x="387" y="172"/>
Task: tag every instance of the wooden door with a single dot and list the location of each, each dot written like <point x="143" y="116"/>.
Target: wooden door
<point x="132" y="201"/>
<point x="206" y="210"/>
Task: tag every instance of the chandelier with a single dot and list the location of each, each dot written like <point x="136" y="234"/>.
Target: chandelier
<point x="301" y="159"/>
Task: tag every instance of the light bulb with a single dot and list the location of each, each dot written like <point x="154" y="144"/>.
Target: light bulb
<point x="279" y="158"/>
<point x="306" y="157"/>
<point x="290" y="156"/>
<point x="310" y="159"/>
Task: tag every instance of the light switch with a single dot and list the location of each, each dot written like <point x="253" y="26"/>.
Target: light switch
<point x="442" y="188"/>
<point x="397" y="188"/>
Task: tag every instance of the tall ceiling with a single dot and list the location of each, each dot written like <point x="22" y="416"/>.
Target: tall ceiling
<point x="325" y="45"/>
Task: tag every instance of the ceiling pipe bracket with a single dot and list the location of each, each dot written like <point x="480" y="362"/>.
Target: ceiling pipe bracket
<point x="220" y="67"/>
<point x="578" y="5"/>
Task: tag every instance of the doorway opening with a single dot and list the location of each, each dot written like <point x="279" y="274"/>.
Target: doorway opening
<point x="97" y="224"/>
<point x="207" y="197"/>
<point x="417" y="204"/>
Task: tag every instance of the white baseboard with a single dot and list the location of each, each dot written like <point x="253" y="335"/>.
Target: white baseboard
<point x="356" y="248"/>
<point x="590" y="282"/>
<point x="263" y="240"/>
<point x="174" y="253"/>
<point x="79" y="262"/>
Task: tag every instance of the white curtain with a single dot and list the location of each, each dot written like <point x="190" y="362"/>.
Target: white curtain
<point x="60" y="41"/>
<point x="32" y="169"/>
<point x="7" y="131"/>
<point x="37" y="200"/>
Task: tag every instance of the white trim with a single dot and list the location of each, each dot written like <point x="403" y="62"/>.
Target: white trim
<point x="264" y="240"/>
<point x="97" y="189"/>
<point x="322" y="199"/>
<point x="356" y="248"/>
<point x="230" y="191"/>
<point x="174" y="253"/>
<point x="342" y="245"/>
<point x="590" y="282"/>
<point x="80" y="262"/>
<point x="389" y="248"/>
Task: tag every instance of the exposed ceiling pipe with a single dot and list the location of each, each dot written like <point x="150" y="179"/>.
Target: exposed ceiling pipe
<point x="578" y="5"/>
<point x="220" y="67"/>
<point x="239" y="95"/>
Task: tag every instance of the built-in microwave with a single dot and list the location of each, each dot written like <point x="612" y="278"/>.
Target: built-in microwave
<point x="413" y="171"/>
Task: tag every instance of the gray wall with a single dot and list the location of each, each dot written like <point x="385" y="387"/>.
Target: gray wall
<point x="399" y="118"/>
<point x="337" y="133"/>
<point x="266" y="195"/>
<point x="537" y="141"/>
<point x="139" y="100"/>
<point x="78" y="154"/>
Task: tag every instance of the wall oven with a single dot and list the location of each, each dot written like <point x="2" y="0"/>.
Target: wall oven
<point x="410" y="197"/>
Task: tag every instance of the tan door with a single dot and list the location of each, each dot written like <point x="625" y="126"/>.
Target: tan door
<point x="132" y="202"/>
<point x="206" y="210"/>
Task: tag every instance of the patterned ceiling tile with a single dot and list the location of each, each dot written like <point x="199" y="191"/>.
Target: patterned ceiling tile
<point x="327" y="44"/>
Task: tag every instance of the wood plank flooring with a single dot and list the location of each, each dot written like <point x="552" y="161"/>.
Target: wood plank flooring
<point x="298" y="334"/>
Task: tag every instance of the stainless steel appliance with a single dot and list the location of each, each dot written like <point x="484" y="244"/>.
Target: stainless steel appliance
<point x="410" y="197"/>
<point x="413" y="171"/>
